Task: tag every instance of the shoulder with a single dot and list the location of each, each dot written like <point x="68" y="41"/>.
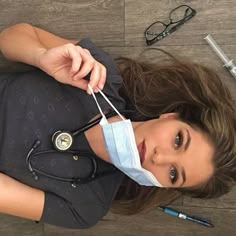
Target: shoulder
<point x="101" y="55"/>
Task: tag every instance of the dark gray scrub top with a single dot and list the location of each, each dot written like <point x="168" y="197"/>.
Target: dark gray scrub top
<point x="33" y="106"/>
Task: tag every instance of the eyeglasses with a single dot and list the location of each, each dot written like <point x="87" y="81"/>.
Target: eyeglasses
<point x="159" y="30"/>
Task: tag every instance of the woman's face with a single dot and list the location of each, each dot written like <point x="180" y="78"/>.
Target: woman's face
<point x="175" y="153"/>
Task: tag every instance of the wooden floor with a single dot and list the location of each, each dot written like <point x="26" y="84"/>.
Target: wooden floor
<point x="118" y="26"/>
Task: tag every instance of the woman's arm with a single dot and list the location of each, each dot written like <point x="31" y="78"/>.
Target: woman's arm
<point x="24" y="42"/>
<point x="19" y="199"/>
<point x="57" y="56"/>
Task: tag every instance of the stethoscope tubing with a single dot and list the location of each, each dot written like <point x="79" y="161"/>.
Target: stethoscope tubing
<point x="62" y="140"/>
<point x="31" y="154"/>
<point x="77" y="180"/>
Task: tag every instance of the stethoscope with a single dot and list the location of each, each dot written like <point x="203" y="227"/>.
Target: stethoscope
<point x="62" y="142"/>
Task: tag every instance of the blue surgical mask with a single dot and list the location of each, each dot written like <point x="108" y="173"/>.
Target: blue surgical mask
<point x="122" y="149"/>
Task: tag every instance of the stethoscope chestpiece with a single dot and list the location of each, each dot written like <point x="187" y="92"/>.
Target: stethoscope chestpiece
<point x="62" y="140"/>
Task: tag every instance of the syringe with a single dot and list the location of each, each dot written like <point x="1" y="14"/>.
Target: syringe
<point x="227" y="62"/>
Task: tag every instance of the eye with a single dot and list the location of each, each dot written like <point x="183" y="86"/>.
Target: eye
<point x="178" y="140"/>
<point x="173" y="175"/>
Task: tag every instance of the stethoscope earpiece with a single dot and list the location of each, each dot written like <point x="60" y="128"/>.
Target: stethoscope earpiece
<point x="62" y="140"/>
<point x="35" y="176"/>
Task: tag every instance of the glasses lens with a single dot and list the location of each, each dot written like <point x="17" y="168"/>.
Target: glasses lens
<point x="180" y="13"/>
<point x="154" y="30"/>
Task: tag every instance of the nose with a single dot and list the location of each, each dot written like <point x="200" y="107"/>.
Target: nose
<point x="163" y="156"/>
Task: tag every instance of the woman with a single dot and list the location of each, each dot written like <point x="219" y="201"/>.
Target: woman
<point x="183" y="132"/>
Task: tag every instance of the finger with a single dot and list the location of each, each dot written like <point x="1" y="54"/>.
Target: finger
<point x="103" y="72"/>
<point x="94" y="78"/>
<point x="76" y="65"/>
<point x="103" y="76"/>
<point x="75" y="57"/>
<point x="87" y="51"/>
<point x="82" y="84"/>
<point x="88" y="63"/>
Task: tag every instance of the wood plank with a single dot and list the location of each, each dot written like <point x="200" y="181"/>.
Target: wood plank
<point x="111" y="24"/>
<point x="157" y="223"/>
<point x="228" y="201"/>
<point x="15" y="226"/>
<point x="70" y="19"/>
<point x="215" y="17"/>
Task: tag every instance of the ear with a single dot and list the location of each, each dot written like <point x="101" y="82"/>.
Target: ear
<point x="169" y="115"/>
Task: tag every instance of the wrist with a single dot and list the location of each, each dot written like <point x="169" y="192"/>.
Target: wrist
<point x="38" y="57"/>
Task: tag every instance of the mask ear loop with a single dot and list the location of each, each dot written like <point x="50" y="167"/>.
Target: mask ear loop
<point x="107" y="100"/>
<point x="99" y="108"/>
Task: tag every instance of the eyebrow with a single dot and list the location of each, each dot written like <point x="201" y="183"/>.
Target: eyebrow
<point x="188" y="141"/>
<point x="183" y="176"/>
<point x="185" y="148"/>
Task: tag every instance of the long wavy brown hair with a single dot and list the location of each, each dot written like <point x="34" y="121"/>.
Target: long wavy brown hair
<point x="200" y="98"/>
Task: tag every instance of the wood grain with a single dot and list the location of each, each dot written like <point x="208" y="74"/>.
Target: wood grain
<point x="118" y="26"/>
<point x="102" y="20"/>
<point x="15" y="226"/>
<point x="215" y="17"/>
<point x="157" y="223"/>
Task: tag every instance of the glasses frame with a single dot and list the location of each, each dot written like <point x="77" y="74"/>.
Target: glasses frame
<point x="169" y="30"/>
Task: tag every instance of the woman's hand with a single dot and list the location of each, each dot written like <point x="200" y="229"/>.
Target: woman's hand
<point x="57" y="56"/>
<point x="69" y="64"/>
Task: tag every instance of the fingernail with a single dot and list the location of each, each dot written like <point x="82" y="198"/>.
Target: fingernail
<point x="101" y="86"/>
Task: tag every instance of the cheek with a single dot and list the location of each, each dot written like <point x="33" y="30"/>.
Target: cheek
<point x="161" y="131"/>
<point x="159" y="172"/>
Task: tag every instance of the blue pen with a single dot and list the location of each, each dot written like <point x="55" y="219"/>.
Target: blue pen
<point x="195" y="219"/>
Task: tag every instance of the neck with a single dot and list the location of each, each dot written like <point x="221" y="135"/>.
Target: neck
<point x="96" y="141"/>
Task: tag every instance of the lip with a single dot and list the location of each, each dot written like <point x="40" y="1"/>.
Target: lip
<point x="142" y="151"/>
